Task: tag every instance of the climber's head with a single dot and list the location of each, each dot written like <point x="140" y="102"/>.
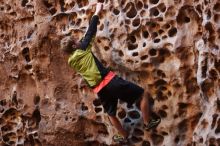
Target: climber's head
<point x="69" y="44"/>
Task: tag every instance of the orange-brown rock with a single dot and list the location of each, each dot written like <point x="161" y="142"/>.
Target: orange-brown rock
<point x="171" y="48"/>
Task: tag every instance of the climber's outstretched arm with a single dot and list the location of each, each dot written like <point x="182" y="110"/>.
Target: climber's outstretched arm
<point x="92" y="28"/>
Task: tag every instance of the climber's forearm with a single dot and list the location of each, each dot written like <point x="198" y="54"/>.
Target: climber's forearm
<point x="90" y="32"/>
<point x="92" y="28"/>
<point x="98" y="8"/>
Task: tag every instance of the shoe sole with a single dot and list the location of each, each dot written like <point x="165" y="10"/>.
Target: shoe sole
<point x="119" y="140"/>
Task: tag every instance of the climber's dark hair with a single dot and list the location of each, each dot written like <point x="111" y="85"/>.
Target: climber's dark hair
<point x="69" y="44"/>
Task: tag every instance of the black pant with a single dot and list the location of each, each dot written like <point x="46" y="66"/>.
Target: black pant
<point x="121" y="89"/>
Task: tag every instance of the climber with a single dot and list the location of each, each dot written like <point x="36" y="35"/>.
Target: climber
<point x="109" y="86"/>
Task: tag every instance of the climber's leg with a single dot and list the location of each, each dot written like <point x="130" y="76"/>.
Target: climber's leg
<point x="144" y="106"/>
<point x="116" y="123"/>
<point x="108" y="97"/>
<point x="149" y="122"/>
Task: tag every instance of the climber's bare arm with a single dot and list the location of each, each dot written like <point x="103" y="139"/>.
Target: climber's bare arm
<point x="92" y="27"/>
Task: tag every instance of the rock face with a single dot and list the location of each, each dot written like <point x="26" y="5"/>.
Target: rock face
<point x="171" y="48"/>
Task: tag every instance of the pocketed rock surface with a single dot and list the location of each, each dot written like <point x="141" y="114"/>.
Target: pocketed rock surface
<point x="170" y="48"/>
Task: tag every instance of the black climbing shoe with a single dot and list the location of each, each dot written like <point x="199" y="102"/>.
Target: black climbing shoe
<point x="119" y="139"/>
<point x="152" y="123"/>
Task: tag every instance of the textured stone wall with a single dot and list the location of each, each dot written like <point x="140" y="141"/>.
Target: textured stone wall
<point x="171" y="48"/>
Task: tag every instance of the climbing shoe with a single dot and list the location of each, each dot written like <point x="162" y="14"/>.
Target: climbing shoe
<point x="119" y="139"/>
<point x="152" y="123"/>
